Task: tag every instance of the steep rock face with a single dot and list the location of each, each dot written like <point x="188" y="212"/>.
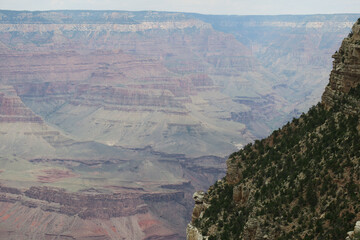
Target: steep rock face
<point x="346" y="73"/>
<point x="302" y="182"/>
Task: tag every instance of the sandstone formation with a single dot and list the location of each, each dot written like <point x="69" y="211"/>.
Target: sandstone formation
<point x="12" y="109"/>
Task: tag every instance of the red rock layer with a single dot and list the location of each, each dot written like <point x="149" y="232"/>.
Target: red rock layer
<point x="12" y="109"/>
<point x="97" y="205"/>
<point x="47" y="213"/>
<point x="21" y="222"/>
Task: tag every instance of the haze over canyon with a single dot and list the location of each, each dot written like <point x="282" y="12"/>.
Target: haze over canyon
<point x="110" y="120"/>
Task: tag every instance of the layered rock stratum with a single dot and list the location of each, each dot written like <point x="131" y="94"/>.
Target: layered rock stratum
<point x="301" y="182"/>
<point x="109" y="120"/>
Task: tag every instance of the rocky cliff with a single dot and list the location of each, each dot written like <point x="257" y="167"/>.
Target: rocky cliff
<point x="302" y="182"/>
<point x="346" y="73"/>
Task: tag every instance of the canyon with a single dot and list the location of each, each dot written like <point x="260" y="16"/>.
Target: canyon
<point x="110" y="120"/>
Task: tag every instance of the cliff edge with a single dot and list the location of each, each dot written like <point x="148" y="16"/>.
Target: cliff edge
<point x="301" y="182"/>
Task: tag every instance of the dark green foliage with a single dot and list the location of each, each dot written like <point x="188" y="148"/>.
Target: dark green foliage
<point x="212" y="237"/>
<point x="301" y="172"/>
<point x="311" y="196"/>
<point x="222" y="201"/>
<point x="355" y="92"/>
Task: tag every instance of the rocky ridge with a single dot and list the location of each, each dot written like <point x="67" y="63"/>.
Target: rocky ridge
<point x="139" y="27"/>
<point x="86" y="205"/>
<point x="39" y="207"/>
<point x="302" y="182"/>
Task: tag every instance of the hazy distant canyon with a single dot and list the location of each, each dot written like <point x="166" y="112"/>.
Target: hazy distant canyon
<point x="110" y="120"/>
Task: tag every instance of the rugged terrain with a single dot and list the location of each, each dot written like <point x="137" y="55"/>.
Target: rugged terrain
<point x="139" y="109"/>
<point x="301" y="182"/>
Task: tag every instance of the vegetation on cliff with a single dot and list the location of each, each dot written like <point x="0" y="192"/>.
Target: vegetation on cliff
<point x="303" y="181"/>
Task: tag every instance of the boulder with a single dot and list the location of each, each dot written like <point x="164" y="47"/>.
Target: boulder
<point x="199" y="197"/>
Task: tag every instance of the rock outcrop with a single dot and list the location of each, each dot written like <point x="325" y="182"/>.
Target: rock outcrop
<point x="354" y="235"/>
<point x="192" y="233"/>
<point x="346" y="73"/>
